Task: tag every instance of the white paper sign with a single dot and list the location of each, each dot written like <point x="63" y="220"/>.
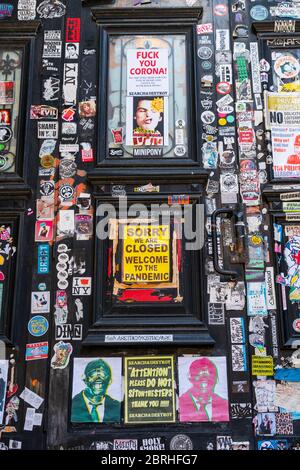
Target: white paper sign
<point x="147" y="72"/>
<point x="31" y="398"/>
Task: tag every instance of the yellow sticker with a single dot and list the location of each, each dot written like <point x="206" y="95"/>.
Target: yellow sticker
<point x="262" y="365"/>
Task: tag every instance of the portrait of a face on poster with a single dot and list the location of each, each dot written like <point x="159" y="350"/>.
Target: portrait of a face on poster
<point x="147" y="72"/>
<point x="3" y="386"/>
<point x="147" y="121"/>
<point x="97" y="390"/>
<point x="203" y="390"/>
<point x="149" y="389"/>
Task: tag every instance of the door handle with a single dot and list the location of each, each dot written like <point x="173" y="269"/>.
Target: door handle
<point x="217" y="267"/>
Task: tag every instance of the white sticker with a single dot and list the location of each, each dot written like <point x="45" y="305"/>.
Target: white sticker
<point x="31" y="398"/>
<point x="255" y="67"/>
<point x="82" y="286"/>
<point x="222" y="40"/>
<point x="270" y="289"/>
<point x="47" y="130"/>
<point x="70" y="84"/>
<point x="29" y="419"/>
<point x="52" y="49"/>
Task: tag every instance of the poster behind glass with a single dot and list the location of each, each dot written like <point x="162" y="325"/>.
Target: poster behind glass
<point x="147" y="115"/>
<point x="283" y="105"/>
<point x="10" y="89"/>
<point x="145" y="262"/>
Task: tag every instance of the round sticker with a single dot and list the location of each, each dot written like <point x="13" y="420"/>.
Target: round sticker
<point x="222" y="122"/>
<point x="61" y="275"/>
<point x="63" y="284"/>
<point x="208" y="117"/>
<point x="264" y="65"/>
<point x="42" y="286"/>
<point x="256" y="239"/>
<point x="221" y="9"/>
<point x="66" y="191"/>
<point x="223" y="88"/>
<point x="61" y="267"/>
<point x="287" y="66"/>
<point x="205" y="52"/>
<point x="296" y="325"/>
<point x="181" y="442"/>
<point x="62" y="248"/>
<point x="259" y="13"/>
<point x="63" y="257"/>
<point x="206" y="65"/>
<point x="180" y="150"/>
<point x="6" y="161"/>
<point x="38" y="326"/>
<point x="230" y="119"/>
<point x="47" y="161"/>
<point x="5" y="134"/>
<point x="180" y="123"/>
<point x="47" y="188"/>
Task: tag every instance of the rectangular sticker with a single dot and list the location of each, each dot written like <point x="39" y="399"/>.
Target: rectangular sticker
<point x="73" y="30"/>
<point x="262" y="366"/>
<point x="270" y="289"/>
<point x="237" y="330"/>
<point x="35" y="351"/>
<point x="239" y="358"/>
<point x="43" y="258"/>
<point x="47" y="130"/>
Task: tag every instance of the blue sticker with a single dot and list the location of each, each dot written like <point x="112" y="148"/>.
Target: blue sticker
<point x="5" y="10"/>
<point x="43" y="258"/>
<point x="259" y="13"/>
<point x="288" y="375"/>
<point x="273" y="444"/>
<point x="38" y="326"/>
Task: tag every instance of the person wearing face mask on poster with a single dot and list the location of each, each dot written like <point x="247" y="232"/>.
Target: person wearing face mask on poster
<point x="93" y="404"/>
<point x="200" y="402"/>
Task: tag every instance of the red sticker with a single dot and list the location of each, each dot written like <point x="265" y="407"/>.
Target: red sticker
<point x="68" y="114"/>
<point x="221" y="9"/>
<point x="87" y="155"/>
<point x="205" y="28"/>
<point x="5" y="117"/>
<point x="178" y="199"/>
<point x="223" y="88"/>
<point x="73" y="30"/>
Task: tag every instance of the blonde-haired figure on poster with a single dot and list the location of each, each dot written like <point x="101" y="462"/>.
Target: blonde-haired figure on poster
<point x="204" y="396"/>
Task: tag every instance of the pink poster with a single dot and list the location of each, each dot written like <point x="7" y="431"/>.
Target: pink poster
<point x="203" y="391"/>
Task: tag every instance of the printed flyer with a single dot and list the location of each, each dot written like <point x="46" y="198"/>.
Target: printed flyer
<point x="147" y="72"/>
<point x="149" y="390"/>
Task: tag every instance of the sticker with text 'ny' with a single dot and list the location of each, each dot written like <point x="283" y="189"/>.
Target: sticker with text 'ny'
<point x="82" y="286"/>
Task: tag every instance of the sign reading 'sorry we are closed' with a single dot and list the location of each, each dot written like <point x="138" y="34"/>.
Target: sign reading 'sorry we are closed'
<point x="146" y="254"/>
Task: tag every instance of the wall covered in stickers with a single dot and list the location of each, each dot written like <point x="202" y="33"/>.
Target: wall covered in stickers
<point x="149" y="224"/>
